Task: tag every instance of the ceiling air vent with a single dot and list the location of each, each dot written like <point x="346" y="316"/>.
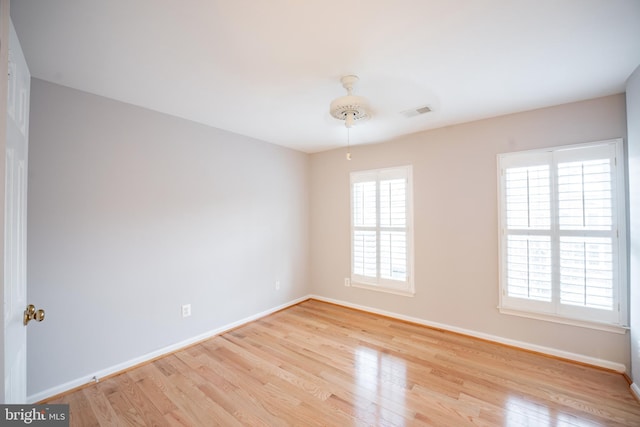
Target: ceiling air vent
<point x="416" y="111"/>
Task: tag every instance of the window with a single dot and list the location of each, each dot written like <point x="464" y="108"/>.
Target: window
<point x="381" y="223"/>
<point x="562" y="237"/>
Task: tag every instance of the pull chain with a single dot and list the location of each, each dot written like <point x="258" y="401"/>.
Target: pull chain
<point x="348" y="144"/>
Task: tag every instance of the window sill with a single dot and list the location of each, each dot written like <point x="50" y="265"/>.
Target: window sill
<point x="566" y="321"/>
<point x="382" y="289"/>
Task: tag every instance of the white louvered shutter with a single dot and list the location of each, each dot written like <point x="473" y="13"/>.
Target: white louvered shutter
<point x="560" y="240"/>
<point x="393" y="236"/>
<point x="380" y="229"/>
<point x="587" y="229"/>
<point x="528" y="200"/>
<point x="365" y="246"/>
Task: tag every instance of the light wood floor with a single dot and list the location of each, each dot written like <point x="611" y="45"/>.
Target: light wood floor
<point x="321" y="364"/>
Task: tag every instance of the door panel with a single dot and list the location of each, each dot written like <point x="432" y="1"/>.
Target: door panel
<point x="15" y="284"/>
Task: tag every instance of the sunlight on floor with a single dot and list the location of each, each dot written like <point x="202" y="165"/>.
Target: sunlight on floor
<point x="380" y="378"/>
<point x="522" y="412"/>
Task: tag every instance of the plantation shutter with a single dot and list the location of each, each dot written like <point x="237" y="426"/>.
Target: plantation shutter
<point x="528" y="202"/>
<point x="380" y="228"/>
<point x="560" y="236"/>
<point x="393" y="236"/>
<point x="587" y="224"/>
<point x="365" y="246"/>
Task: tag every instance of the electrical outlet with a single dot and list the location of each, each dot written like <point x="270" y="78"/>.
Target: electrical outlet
<point x="277" y="285"/>
<point x="186" y="310"/>
<point x="347" y="281"/>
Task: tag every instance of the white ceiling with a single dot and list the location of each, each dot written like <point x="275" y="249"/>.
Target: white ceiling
<point x="269" y="69"/>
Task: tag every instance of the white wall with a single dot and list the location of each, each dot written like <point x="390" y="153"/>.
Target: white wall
<point x="633" y="129"/>
<point x="133" y="213"/>
<point x="455" y="220"/>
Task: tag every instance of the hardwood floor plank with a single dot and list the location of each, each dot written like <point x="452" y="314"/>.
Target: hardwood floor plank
<point x="101" y="406"/>
<point x="156" y="394"/>
<point x="126" y="413"/>
<point x="143" y="406"/>
<point x="83" y="414"/>
<point x="319" y="364"/>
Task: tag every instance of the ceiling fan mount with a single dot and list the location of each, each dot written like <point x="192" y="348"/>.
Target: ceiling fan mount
<point x="350" y="108"/>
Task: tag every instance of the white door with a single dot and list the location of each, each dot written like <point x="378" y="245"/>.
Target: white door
<point x="15" y="224"/>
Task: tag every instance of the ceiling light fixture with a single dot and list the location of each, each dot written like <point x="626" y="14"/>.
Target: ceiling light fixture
<point x="350" y="108"/>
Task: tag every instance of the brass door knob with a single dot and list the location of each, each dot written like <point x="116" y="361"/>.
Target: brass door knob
<point x="32" y="314"/>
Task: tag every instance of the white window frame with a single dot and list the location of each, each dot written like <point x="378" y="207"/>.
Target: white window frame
<point x="399" y="287"/>
<point x="613" y="321"/>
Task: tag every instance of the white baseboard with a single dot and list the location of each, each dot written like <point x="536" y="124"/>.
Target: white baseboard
<point x="37" y="397"/>
<point x="635" y="390"/>
<point x="607" y="364"/>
